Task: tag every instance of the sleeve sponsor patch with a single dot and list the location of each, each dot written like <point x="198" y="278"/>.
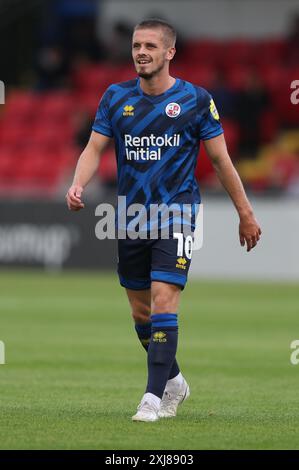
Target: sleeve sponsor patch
<point x="213" y="110"/>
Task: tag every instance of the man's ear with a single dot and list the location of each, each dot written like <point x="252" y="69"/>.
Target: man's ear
<point x="171" y="53"/>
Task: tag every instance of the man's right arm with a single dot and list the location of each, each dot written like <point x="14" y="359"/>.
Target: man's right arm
<point x="86" y="167"/>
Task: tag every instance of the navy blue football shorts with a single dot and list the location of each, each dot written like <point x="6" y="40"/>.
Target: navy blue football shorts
<point x="142" y="261"/>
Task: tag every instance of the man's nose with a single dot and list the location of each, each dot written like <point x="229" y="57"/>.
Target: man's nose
<point x="142" y="50"/>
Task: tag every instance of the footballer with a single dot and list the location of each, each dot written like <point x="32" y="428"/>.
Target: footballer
<point x="157" y="122"/>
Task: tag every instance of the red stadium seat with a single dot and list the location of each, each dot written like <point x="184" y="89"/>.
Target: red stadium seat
<point x="271" y="51"/>
<point x="52" y="134"/>
<point x="56" y="106"/>
<point x="203" y="52"/>
<point x="232" y="136"/>
<point x="239" y="52"/>
<point x="268" y="125"/>
<point x="7" y="167"/>
<point x="21" y="105"/>
<point x="127" y="72"/>
<point x="204" y="171"/>
<point x="108" y="167"/>
<point x="95" y="77"/>
<point x="87" y="102"/>
<point x="201" y="75"/>
<point x="236" y="76"/>
<point x="272" y="75"/>
<point x="12" y="133"/>
<point x="38" y="167"/>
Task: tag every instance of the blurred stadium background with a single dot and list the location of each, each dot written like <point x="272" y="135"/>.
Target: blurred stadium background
<point x="57" y="58"/>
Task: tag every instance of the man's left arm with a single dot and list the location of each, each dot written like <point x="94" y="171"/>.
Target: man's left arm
<point x="249" y="229"/>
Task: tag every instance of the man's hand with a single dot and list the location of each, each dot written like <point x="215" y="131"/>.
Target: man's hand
<point x="249" y="231"/>
<point x="73" y="198"/>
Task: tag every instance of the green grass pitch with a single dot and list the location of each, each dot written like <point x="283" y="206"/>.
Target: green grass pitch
<point x="75" y="371"/>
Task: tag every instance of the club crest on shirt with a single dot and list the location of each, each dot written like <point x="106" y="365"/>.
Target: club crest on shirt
<point x="173" y="110"/>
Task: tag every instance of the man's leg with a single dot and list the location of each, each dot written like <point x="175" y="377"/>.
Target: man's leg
<point x="140" y="302"/>
<point x="162" y="395"/>
<point x="163" y="344"/>
<point x="165" y="304"/>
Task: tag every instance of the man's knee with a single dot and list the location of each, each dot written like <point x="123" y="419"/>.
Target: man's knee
<point x="140" y="312"/>
<point x="161" y="301"/>
<point x="165" y="298"/>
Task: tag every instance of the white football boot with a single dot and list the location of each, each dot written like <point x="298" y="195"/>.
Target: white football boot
<point x="148" y="408"/>
<point x="175" y="393"/>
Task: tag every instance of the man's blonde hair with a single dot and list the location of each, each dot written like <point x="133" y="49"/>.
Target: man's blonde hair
<point x="169" y="33"/>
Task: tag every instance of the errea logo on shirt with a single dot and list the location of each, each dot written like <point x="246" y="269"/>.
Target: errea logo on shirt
<point x="128" y="110"/>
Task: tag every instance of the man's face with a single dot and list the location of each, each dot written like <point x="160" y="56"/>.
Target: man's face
<point x="149" y="51"/>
